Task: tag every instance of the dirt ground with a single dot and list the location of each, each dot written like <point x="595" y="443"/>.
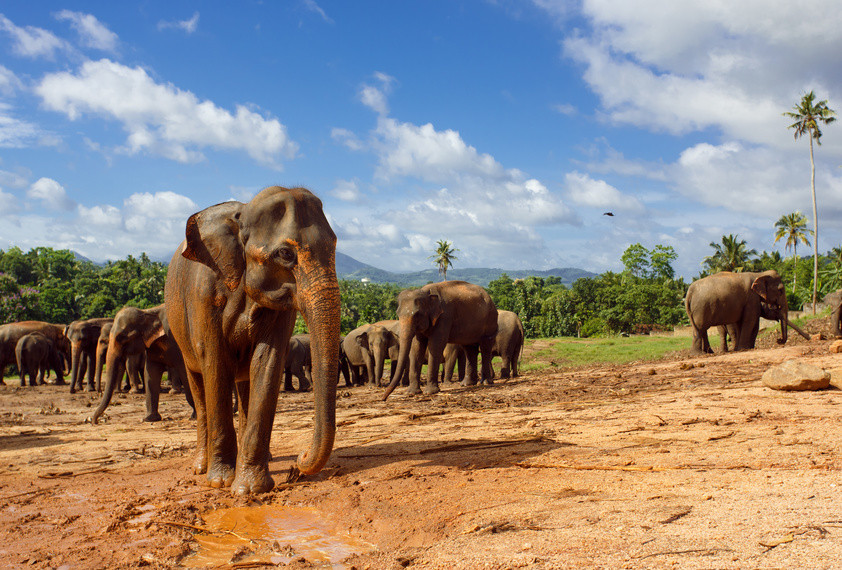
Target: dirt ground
<point x="687" y="462"/>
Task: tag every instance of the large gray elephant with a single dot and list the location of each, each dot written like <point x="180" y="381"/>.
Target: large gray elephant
<point x="35" y="355"/>
<point x="439" y="313"/>
<point x="83" y="335"/>
<point x="734" y="298"/>
<point x="233" y="290"/>
<point x="135" y="332"/>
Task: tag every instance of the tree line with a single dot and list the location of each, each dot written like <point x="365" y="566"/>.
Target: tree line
<point x="55" y="286"/>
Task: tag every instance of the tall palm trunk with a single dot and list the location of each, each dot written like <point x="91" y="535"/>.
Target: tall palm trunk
<point x="815" y="225"/>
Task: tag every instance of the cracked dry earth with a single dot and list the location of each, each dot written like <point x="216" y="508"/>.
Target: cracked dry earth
<point x="686" y="462"/>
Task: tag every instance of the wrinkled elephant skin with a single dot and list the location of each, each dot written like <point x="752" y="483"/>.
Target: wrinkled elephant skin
<point x="737" y="299"/>
<point x="232" y="292"/>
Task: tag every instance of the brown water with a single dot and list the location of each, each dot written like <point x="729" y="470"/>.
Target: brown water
<point x="271" y="534"/>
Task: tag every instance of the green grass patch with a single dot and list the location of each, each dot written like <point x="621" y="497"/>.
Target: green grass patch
<point x="568" y="352"/>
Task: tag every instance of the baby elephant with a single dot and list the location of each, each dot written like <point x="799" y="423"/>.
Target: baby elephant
<point x="36" y="354"/>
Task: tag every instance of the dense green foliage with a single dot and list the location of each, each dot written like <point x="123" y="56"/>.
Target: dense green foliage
<point x="54" y="286"/>
<point x="643" y="297"/>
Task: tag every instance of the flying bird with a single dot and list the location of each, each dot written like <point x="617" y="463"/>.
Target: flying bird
<point x="608" y="214"/>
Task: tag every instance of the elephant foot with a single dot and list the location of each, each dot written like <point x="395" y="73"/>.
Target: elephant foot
<point x="72" y="390"/>
<point x="220" y="475"/>
<point x="156" y="417"/>
<point x="61" y="382"/>
<point x="91" y="388"/>
<point x="142" y="391"/>
<point x="430" y="389"/>
<point x="252" y="479"/>
<point x="174" y="390"/>
<point x="469" y="381"/>
<point x="200" y="463"/>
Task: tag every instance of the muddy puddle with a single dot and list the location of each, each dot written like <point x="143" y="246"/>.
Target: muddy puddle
<point x="273" y="535"/>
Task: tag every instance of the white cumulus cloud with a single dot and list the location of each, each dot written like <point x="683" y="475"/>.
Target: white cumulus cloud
<point x="189" y="26"/>
<point x="51" y="194"/>
<point x="586" y="191"/>
<point x="92" y="32"/>
<point x="160" y="118"/>
<point x="31" y="41"/>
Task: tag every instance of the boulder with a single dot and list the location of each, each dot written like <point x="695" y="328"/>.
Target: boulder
<point x="796" y="375"/>
<point x="836" y="347"/>
<point x="817" y="336"/>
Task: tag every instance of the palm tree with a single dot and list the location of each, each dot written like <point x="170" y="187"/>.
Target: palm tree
<point x="807" y="115"/>
<point x="731" y="255"/>
<point x="793" y="228"/>
<point x="443" y="257"/>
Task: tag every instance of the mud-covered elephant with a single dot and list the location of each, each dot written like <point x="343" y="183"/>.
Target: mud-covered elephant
<point x="140" y="332"/>
<point x="298" y="363"/>
<point x="439" y="313"/>
<point x="11" y="333"/>
<point x="83" y="335"/>
<point x="232" y="292"/>
<point x="134" y="364"/>
<point x="35" y="355"/>
<point x="735" y="298"/>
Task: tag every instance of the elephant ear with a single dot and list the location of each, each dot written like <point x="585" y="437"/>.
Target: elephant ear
<point x="762" y="286"/>
<point x="362" y="340"/>
<point x="435" y="305"/>
<point x="213" y="239"/>
<point x="153" y="332"/>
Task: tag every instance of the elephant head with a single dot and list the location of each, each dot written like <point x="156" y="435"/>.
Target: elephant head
<point x="378" y="341"/>
<point x="280" y="248"/>
<point x="772" y="292"/>
<point x="418" y="312"/>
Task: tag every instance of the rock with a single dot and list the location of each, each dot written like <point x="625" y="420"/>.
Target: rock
<point x="836" y="347"/>
<point x="796" y="375"/>
<point x="836" y="378"/>
<point x="817" y="336"/>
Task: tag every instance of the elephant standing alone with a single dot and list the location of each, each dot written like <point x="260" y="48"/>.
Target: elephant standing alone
<point x="232" y="292"/>
<point x="735" y="298"/>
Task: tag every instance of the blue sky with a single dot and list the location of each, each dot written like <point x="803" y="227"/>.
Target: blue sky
<point x="506" y="127"/>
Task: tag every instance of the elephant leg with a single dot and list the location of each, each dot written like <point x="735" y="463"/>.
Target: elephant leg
<point x="461" y="364"/>
<point x="416" y="356"/>
<point x="506" y="366"/>
<point x="723" y="337"/>
<point x="288" y="387"/>
<point x="434" y="353"/>
<point x="91" y="372"/>
<point x="305" y="382"/>
<point x="486" y="346"/>
<point x="222" y="439"/>
<point x="197" y="387"/>
<point x="471" y="357"/>
<point x="154" y="372"/>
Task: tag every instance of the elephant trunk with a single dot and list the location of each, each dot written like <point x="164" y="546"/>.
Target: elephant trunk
<point x="406" y="337"/>
<point x="784" y="319"/>
<point x="75" y="365"/>
<point x="379" y="354"/>
<point x="114" y="367"/>
<point x="320" y="306"/>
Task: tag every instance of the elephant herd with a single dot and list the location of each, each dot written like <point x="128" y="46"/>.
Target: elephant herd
<point x="234" y="288"/>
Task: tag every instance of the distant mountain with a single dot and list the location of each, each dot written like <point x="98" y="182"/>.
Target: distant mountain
<point x="349" y="268"/>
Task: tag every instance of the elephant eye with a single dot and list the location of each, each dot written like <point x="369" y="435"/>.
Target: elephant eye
<point x="286" y="255"/>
